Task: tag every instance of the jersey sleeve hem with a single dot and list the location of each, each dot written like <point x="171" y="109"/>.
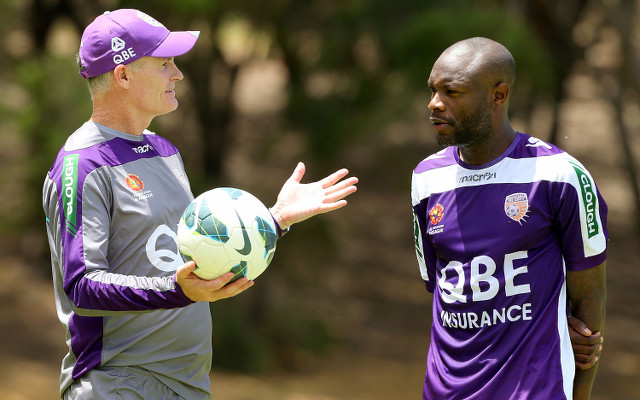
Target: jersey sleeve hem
<point x="180" y="292"/>
<point x="586" y="263"/>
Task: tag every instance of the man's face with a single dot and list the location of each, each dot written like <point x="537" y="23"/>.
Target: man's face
<point x="154" y="81"/>
<point x="460" y="110"/>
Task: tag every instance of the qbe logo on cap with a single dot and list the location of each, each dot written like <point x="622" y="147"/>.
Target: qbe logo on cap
<point x="117" y="44"/>
<point x="122" y="55"/>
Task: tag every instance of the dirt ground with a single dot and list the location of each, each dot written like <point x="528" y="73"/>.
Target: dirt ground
<point x="386" y="365"/>
<point x="32" y="347"/>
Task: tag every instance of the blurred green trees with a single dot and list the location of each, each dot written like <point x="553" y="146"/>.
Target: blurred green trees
<point x="335" y="83"/>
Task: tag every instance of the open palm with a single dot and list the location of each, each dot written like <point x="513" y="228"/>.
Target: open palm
<point x="299" y="201"/>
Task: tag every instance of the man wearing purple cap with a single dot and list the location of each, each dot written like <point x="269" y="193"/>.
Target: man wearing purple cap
<point x="510" y="236"/>
<point x="137" y="318"/>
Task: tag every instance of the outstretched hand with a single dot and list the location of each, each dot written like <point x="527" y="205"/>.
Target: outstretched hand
<point x="299" y="201"/>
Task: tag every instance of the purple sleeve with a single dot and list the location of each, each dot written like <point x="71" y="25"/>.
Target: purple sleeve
<point x="425" y="252"/>
<point x="581" y="220"/>
<point x="84" y="206"/>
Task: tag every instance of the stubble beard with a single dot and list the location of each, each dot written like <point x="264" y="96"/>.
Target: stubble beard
<point x="473" y="131"/>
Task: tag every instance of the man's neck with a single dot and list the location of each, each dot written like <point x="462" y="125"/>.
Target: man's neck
<point x="118" y="116"/>
<point x="485" y="153"/>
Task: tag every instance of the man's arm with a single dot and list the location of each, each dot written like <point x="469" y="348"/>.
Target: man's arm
<point x="587" y="297"/>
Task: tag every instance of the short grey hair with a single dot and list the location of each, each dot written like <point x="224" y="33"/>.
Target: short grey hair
<point x="101" y="83"/>
<point x="98" y="83"/>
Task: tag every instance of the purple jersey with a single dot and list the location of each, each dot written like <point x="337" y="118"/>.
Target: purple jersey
<point x="494" y="242"/>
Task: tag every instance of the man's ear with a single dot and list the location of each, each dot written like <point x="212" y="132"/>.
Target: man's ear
<point x="120" y="76"/>
<point x="500" y="94"/>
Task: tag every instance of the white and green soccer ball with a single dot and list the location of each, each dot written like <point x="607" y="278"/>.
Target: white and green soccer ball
<point x="227" y="229"/>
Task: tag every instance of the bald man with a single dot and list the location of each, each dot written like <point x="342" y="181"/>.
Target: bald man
<point x="511" y="239"/>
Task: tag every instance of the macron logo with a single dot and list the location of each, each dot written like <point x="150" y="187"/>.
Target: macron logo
<point x="143" y="149"/>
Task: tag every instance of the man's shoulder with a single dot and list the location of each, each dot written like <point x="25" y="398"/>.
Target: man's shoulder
<point x="542" y="161"/>
<point x="161" y="144"/>
<point x="78" y="143"/>
<point x="84" y="137"/>
<point x="434" y="174"/>
<point x="99" y="145"/>
<point x="530" y="146"/>
<point x="443" y="158"/>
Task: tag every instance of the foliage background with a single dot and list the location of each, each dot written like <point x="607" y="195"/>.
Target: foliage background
<point x="342" y="313"/>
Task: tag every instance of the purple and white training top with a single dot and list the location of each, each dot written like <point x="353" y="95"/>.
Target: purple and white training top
<point x="113" y="202"/>
<point x="494" y="242"/>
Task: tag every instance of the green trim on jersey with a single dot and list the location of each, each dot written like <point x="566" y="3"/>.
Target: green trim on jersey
<point x="70" y="192"/>
<point x="588" y="200"/>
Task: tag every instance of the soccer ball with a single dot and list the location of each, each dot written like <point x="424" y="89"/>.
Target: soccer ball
<point x="227" y="229"/>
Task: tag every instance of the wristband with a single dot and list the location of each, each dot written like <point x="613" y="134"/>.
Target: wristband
<point x="279" y="231"/>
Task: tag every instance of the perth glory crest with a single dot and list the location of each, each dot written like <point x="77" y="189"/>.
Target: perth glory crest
<point x="516" y="206"/>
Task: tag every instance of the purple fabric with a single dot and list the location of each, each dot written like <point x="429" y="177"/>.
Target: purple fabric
<point x="498" y="280"/>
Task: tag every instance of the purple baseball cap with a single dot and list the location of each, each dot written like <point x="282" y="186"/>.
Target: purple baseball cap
<point x="122" y="36"/>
